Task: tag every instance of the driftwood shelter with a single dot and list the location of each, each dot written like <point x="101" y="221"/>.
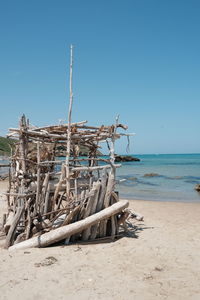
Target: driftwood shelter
<point x="68" y="199"/>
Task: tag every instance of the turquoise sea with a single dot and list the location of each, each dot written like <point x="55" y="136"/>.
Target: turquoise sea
<point x="177" y="176"/>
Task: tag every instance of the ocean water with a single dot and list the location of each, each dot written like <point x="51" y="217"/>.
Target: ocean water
<point x="177" y="175"/>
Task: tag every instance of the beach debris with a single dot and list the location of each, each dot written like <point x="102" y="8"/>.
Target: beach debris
<point x="52" y="199"/>
<point x="133" y="214"/>
<point x="46" y="194"/>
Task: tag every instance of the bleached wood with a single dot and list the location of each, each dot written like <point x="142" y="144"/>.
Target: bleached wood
<point x="100" y="203"/>
<point x="59" y="126"/>
<point x="69" y="126"/>
<point x="61" y="233"/>
<point x="95" y="168"/>
<point x="11" y="232"/>
<point x="92" y="209"/>
<point x="46" y="201"/>
<point x="38" y="178"/>
<point x="59" y="185"/>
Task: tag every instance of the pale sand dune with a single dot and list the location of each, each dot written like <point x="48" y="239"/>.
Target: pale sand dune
<point x="162" y="263"/>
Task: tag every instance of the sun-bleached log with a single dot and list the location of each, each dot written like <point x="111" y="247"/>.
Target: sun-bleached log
<point x="61" y="233"/>
<point x="54" y="127"/>
<point x="45" y="134"/>
<point x="19" y="195"/>
<point x="95" y="168"/>
<point x="11" y="232"/>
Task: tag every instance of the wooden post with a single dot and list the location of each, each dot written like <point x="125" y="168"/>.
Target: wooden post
<point x="111" y="178"/>
<point x="11" y="232"/>
<point x="69" y="126"/>
<point x="86" y="233"/>
<point x="22" y="143"/>
<point x="38" y="178"/>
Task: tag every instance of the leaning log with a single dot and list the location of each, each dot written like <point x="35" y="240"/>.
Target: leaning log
<point x="62" y="233"/>
<point x="11" y="232"/>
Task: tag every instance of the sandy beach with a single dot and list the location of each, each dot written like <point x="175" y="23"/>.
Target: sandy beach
<point x="160" y="260"/>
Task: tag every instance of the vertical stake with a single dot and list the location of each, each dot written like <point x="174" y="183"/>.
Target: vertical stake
<point x="69" y="125"/>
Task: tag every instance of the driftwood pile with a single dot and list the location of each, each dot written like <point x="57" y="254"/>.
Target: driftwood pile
<point x="69" y="199"/>
<point x="52" y="199"/>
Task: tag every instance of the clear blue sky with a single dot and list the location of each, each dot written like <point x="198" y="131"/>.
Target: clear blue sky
<point x="138" y="58"/>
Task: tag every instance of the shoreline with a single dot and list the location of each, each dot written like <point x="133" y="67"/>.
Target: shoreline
<point x="160" y="201"/>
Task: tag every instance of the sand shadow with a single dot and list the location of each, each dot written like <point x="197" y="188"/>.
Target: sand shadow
<point x="134" y="230"/>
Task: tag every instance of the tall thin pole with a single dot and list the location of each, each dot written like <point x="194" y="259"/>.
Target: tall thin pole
<point x="70" y="88"/>
<point x="69" y="125"/>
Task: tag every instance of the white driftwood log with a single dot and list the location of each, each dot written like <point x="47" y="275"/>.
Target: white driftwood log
<point x="68" y="230"/>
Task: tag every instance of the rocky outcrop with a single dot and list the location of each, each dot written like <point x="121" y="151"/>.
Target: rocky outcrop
<point x="124" y="158"/>
<point x="151" y="175"/>
<point x="197" y="187"/>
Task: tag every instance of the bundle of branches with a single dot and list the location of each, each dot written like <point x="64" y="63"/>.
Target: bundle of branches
<point x="47" y="193"/>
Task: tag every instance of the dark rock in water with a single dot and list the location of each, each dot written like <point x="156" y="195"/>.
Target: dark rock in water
<point x="124" y="158"/>
<point x="197" y="187"/>
<point x="132" y="178"/>
<point x="151" y="175"/>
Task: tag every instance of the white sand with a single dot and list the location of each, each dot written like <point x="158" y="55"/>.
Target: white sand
<point x="163" y="262"/>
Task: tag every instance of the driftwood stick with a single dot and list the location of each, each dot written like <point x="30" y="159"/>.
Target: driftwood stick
<point x="19" y="195"/>
<point x="68" y="230"/>
<point x="115" y="196"/>
<point x="47" y="207"/>
<point x="59" y="162"/>
<point x="11" y="232"/>
<point x="70" y="216"/>
<point x="4" y="220"/>
<point x="113" y="226"/>
<point x="95" y="168"/>
<point x="92" y="209"/>
<point x="60" y="201"/>
<point x="60" y="182"/>
<point x="28" y="227"/>
<point x="57" y="127"/>
<point x="69" y="126"/>
<point x="100" y="206"/>
<point x="89" y="197"/>
<point x="103" y="191"/>
<point x="44" y="190"/>
<point x="38" y="178"/>
<point x="52" y="137"/>
<point x="9" y="187"/>
<point x="109" y="190"/>
<point x="22" y="142"/>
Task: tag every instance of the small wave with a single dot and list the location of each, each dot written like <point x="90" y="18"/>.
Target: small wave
<point x="192" y="181"/>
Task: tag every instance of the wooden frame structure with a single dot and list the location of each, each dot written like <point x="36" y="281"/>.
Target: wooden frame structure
<point x="47" y="193"/>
